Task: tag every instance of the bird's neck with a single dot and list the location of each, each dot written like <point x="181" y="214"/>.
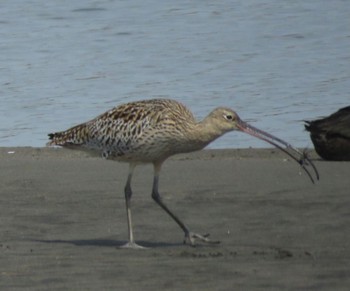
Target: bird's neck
<point x="203" y="133"/>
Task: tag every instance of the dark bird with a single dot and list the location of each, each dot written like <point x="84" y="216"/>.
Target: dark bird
<point x="150" y="131"/>
<point x="331" y="135"/>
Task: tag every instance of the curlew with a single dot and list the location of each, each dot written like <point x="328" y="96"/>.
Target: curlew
<point x="150" y="131"/>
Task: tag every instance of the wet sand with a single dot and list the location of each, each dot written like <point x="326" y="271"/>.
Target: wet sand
<point x="62" y="217"/>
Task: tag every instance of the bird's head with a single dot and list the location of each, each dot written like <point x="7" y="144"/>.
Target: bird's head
<point x="224" y="120"/>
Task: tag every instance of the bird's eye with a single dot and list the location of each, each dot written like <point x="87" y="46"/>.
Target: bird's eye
<point x="228" y="116"/>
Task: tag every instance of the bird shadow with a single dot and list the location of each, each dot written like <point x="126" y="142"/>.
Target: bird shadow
<point x="108" y="243"/>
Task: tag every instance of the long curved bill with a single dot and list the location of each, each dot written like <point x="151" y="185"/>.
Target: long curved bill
<point x="301" y="158"/>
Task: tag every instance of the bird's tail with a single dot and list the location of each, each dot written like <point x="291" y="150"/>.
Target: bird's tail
<point x="76" y="135"/>
<point x="307" y="125"/>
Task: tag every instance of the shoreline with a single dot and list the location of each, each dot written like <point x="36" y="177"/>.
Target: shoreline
<point x="264" y="153"/>
<point x="62" y="219"/>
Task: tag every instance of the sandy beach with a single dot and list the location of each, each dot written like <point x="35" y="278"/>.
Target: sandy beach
<point x="62" y="218"/>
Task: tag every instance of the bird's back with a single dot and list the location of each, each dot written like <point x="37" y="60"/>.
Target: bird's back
<point x="337" y="123"/>
<point x="331" y="135"/>
<point x="140" y="131"/>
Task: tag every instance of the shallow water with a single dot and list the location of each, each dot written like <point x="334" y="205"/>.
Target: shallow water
<point x="275" y="62"/>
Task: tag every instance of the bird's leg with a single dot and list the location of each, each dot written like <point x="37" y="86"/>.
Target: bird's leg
<point x="128" y="193"/>
<point x="190" y="237"/>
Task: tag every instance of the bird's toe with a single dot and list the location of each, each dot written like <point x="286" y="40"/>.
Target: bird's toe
<point x="191" y="237"/>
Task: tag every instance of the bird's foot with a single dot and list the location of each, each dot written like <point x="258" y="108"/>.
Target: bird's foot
<point x="132" y="245"/>
<point x="191" y="237"/>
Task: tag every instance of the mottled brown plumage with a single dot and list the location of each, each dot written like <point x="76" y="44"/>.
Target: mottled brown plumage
<point x="150" y="131"/>
<point x="144" y="131"/>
